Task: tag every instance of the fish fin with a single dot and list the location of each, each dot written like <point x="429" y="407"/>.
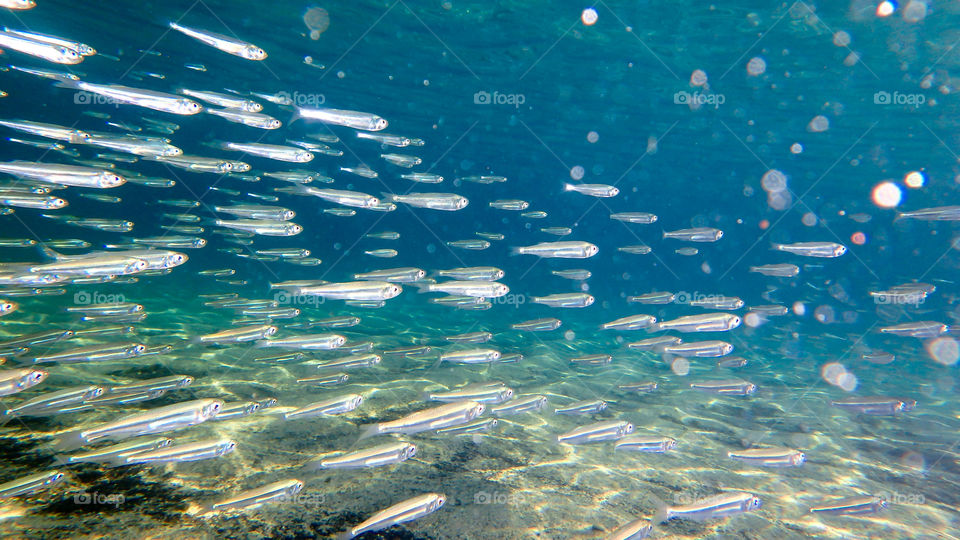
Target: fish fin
<point x="70" y="440"/>
<point x="67" y="83"/>
<point x="49" y="253"/>
<point x="516" y="250"/>
<point x="390" y="197"/>
<point x="369" y="431"/>
<point x="663" y="511"/>
<point x="295" y="116"/>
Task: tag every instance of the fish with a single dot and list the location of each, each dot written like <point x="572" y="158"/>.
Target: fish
<point x="376" y="456"/>
<point x="226" y="44"/>
<point x="769" y="457"/>
<point x="255" y="498"/>
<point x="50" y="52"/>
<point x="698" y="234"/>
<point x="402" y="512"/>
<point x="643" y="443"/>
<point x="30" y="484"/>
<point x="717" y="507"/>
<point x="727" y="387"/>
<point x="17" y="380"/>
<point x="565" y="300"/>
<point x="447" y="415"/>
<point x="180" y="453"/>
<point x="851" y="506"/>
<point x="597" y="432"/>
<point x="327" y="407"/>
<point x="593" y="190"/>
<point x="559" y="250"/>
<point x="828" y="250"/>
<point x="340" y="117"/>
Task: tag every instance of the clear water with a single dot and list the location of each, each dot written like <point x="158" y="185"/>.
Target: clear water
<point x="563" y="95"/>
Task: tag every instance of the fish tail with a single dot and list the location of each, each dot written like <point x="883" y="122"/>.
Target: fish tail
<point x="663" y="511"/>
<point x="345" y="535"/>
<point x="777" y="247"/>
<point x="70" y="440"/>
<point x="516" y="250"/>
<point x="49" y="253"/>
<point x="899" y="216"/>
<point x="369" y="431"/>
<point x="567" y="187"/>
<point x="295" y="116"/>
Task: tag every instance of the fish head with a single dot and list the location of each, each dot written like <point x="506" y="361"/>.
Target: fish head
<point x="392" y="291"/>
<point x="501" y="290"/>
<point x="798" y="459"/>
<point x="497" y="274"/>
<point x="375" y="360"/>
<point x="421" y="274"/>
<point x="7" y="307"/>
<point x="186" y="381"/>
<point x="592" y="250"/>
<point x="198" y="243"/>
<point x="495" y="355"/>
<point x="441" y="500"/>
<point x="462" y="202"/>
<point x="53" y="478"/>
<point x="211" y="409"/>
<point x="176" y="259"/>
<point x="187" y="106"/>
<point x="96" y="391"/>
<point x="627" y="429"/>
<point x="227" y="447"/>
<point x="296" y="229"/>
<point x="295" y="488"/>
<point x="671" y="444"/>
<point x="66" y="55"/>
<point x="735" y="321"/>
<point x="252" y="52"/>
<point x="35" y="377"/>
<point x="378" y="124"/>
<point x="839" y="250"/>
<point x="172" y="151"/>
<point x="109" y="180"/>
<point x="288" y="215"/>
<point x="302" y="156"/>
<point x="79" y="137"/>
<point x="267" y="403"/>
<point x="57" y="203"/>
<point x="339" y="340"/>
<point x="408" y="451"/>
<point x="718" y="235"/>
<point x="478" y="410"/>
<point x="750" y="388"/>
<point x="296" y="311"/>
<point x="753" y="503"/>
<point x="589" y="301"/>
<point x="726" y="348"/>
<point x="271" y="330"/>
<point x="614" y="192"/>
<point x="136" y="350"/>
<point x="506" y="394"/>
<point x="252" y="408"/>
<point x="356" y="401"/>
<point x="239" y="166"/>
<point x="273" y="124"/>
<point x="252" y="106"/>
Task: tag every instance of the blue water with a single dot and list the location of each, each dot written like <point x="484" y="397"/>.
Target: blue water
<point x="604" y="103"/>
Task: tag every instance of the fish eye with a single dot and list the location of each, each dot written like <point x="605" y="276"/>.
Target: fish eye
<point x="275" y="123"/>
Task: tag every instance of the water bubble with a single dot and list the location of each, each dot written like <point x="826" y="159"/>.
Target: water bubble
<point x="680" y="366"/>
<point x="652" y="144"/>
<point x="593" y="136"/>
<point x="569" y="335"/>
<point x="914" y="179"/>
<point x="886" y="8"/>
<point x="780" y="200"/>
<point x="858" y="238"/>
<point x="341" y="74"/>
<point x="577" y="172"/>
<point x="774" y="181"/>
<point x="809" y="219"/>
<point x="886" y="195"/>
<point x="698" y="78"/>
<point x="796" y="148"/>
<point x="824" y="314"/>
<point x="915" y="11"/>
<point x="841" y="39"/>
<point x="317" y="20"/>
<point x="756" y="66"/>
<point x="943" y="350"/>
<point x="431" y="248"/>
<point x="799" y="309"/>
<point x="818" y="124"/>
<point x="589" y="16"/>
<point x="753" y="319"/>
